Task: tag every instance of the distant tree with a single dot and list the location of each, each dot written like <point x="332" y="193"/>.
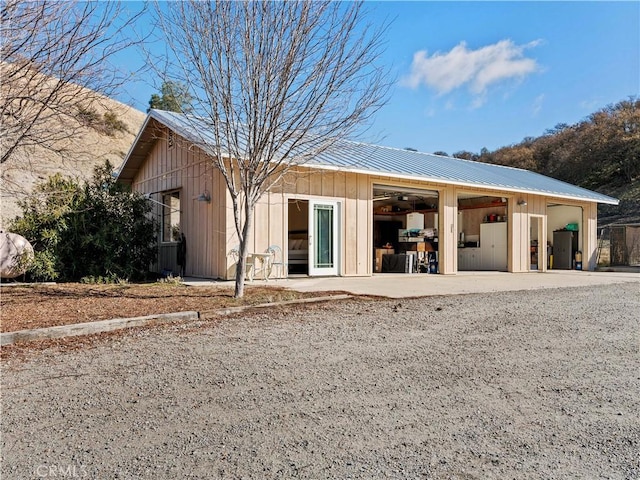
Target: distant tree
<point x="559" y="128"/>
<point x="277" y="82"/>
<point x="485" y="156"/>
<point x="439" y="152"/>
<point x="53" y="64"/>
<point x="600" y="152"/>
<point x="98" y="229"/>
<point x="626" y="130"/>
<point x="466" y="155"/>
<point x="174" y="97"/>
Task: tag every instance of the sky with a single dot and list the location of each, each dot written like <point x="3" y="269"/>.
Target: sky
<point x="473" y="75"/>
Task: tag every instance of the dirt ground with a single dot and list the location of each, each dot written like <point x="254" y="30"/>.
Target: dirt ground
<point x="522" y="385"/>
<point x="37" y="306"/>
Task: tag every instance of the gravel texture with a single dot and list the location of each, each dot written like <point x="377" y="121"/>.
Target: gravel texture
<point x="537" y="384"/>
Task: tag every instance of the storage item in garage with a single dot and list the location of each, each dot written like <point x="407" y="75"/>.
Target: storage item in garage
<point x="412" y="235"/>
<point x="578" y="260"/>
<point x="493" y="246"/>
<point x="377" y="266"/>
<point x="415" y="220"/>
<point x="416" y="247"/>
<point x="429" y="232"/>
<point x="432" y="258"/>
<point x="565" y="246"/>
<point x="398" y="263"/>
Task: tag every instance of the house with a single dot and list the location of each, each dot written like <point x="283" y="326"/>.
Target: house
<point x="363" y="209"/>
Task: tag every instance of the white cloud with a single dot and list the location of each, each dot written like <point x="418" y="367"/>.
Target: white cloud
<point x="476" y="69"/>
<point x="479" y="100"/>
<point x="537" y="104"/>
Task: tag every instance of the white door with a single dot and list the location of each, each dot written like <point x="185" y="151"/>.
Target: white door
<point x="323" y="238"/>
<point x="493" y="246"/>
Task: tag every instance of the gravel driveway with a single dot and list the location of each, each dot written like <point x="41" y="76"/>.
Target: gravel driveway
<point x="537" y="384"/>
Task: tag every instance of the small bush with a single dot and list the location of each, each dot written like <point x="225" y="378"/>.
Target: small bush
<point x="171" y="280"/>
<point x="113" y="124"/>
<point x="108" y="124"/>
<point x="108" y="279"/>
<point x="89" y="117"/>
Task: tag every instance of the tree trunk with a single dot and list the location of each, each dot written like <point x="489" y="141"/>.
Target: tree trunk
<point x="241" y="267"/>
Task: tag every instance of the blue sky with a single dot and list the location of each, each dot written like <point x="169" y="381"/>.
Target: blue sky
<point x="488" y="74"/>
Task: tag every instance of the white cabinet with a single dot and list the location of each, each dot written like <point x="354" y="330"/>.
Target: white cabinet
<point x="469" y="259"/>
<point x="493" y="246"/>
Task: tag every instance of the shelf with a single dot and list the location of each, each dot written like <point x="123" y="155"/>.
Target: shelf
<point x="405" y="212"/>
<point x="481" y="205"/>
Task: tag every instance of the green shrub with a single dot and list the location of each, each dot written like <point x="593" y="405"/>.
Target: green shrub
<point x="43" y="266"/>
<point x="96" y="229"/>
<point x="107" y="279"/>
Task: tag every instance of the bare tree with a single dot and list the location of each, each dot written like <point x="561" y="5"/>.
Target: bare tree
<point x="276" y="83"/>
<point x="54" y="64"/>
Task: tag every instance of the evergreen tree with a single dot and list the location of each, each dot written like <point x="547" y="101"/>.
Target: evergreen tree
<point x="174" y="97"/>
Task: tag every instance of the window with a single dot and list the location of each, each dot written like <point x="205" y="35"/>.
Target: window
<point x="170" y="139"/>
<point x="171" y="216"/>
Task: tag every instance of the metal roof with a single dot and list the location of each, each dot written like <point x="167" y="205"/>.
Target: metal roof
<point x="406" y="164"/>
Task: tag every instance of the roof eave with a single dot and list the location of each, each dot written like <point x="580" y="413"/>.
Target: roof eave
<point x="498" y="188"/>
<point x="130" y="165"/>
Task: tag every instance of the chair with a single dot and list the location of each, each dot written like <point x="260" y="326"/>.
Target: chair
<point x="277" y="262"/>
<point x="235" y="254"/>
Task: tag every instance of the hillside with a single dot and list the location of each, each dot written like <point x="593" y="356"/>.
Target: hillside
<point x="104" y="132"/>
<point x="601" y="153"/>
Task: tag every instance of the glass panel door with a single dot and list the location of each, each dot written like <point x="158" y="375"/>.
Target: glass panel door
<point x="323" y="238"/>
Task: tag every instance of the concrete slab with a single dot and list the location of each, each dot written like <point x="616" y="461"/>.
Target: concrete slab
<point x="398" y="285"/>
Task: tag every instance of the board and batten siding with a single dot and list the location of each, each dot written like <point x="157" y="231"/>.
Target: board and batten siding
<point x="209" y="227"/>
<point x="189" y="171"/>
<point x="352" y="191"/>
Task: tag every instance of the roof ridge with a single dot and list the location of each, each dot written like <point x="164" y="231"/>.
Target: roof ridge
<point x="403" y="163"/>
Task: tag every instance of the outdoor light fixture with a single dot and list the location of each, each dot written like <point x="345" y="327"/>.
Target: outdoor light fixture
<point x="522" y="202"/>
<point x="204" y="197"/>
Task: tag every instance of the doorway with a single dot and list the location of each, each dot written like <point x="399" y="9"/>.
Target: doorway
<point x="537" y="245"/>
<point x="405" y="229"/>
<point x="482" y="236"/>
<point x="313" y="240"/>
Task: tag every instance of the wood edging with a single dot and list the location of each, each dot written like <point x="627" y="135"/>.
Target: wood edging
<point x="77" y="329"/>
<point x="87" y="328"/>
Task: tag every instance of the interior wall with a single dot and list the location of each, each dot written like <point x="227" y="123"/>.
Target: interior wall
<point x="471" y="218"/>
<point x="558" y="216"/>
<point x="298" y="215"/>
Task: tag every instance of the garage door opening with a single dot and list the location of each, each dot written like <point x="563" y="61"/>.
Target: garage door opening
<point x="405" y="230"/>
<point x="482" y="233"/>
<point x="564" y="236"/>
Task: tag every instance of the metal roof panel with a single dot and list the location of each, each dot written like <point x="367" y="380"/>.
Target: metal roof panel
<point x="379" y="160"/>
